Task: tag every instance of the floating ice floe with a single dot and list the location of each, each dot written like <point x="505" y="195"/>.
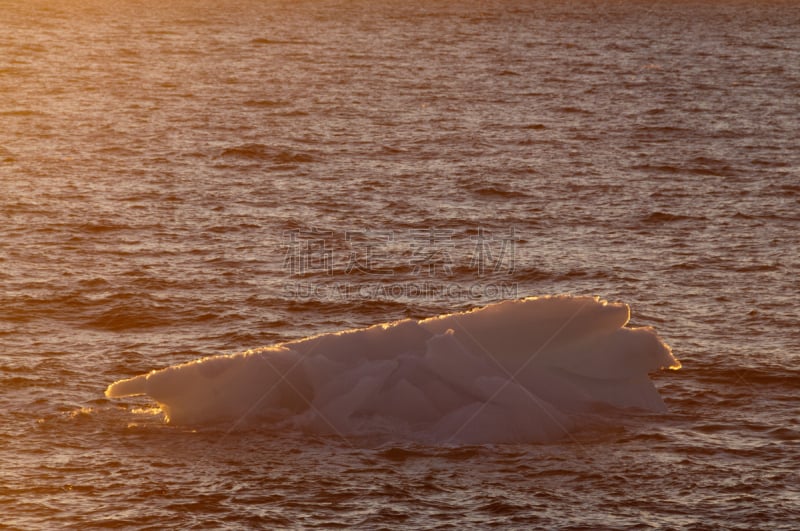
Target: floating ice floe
<point x="522" y="370"/>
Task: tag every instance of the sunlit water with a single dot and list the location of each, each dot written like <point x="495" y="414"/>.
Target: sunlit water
<point x="159" y="160"/>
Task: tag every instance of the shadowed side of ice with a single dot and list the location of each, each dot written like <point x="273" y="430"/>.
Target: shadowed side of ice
<point x="521" y="370"/>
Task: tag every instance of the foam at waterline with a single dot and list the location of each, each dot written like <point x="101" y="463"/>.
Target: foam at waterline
<point x="519" y="370"/>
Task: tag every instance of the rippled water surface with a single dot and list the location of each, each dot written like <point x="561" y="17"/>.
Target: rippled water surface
<point x="160" y="161"/>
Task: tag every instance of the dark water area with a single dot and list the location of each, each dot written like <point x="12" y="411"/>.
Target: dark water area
<point x="183" y="179"/>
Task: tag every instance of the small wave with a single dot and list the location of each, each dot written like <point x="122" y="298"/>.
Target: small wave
<point x="662" y="129"/>
<point x="98" y="227"/>
<point x="6" y="155"/>
<point x="96" y="282"/>
<point x="687" y="266"/>
<point x="657" y="168"/>
<point x="762" y="216"/>
<point x="21" y="382"/>
<point x="770" y="46"/>
<point x="22" y="112"/>
<point x="15" y="72"/>
<point x="530" y="273"/>
<point x="266" y="41"/>
<point x="574" y="110"/>
<point x="770" y="163"/>
<point x="667" y="217"/>
<point x="737" y="377"/>
<point x="264" y="103"/>
<point x="263" y="152"/>
<point x="713" y="167"/>
<point x="294" y="112"/>
<point x="129" y="311"/>
<point x="573" y="274"/>
<point x="400" y="455"/>
<point x="129" y="317"/>
<point x="392" y="150"/>
<point x="501" y="506"/>
<point x="757" y="268"/>
<point x="784" y="434"/>
<point x="120" y="151"/>
<point x="497" y="191"/>
<point x="490" y="190"/>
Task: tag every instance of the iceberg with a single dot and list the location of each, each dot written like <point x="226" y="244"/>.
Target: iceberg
<point x="515" y="371"/>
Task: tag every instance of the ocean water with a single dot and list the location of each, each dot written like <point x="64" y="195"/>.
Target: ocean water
<point x="183" y="179"/>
